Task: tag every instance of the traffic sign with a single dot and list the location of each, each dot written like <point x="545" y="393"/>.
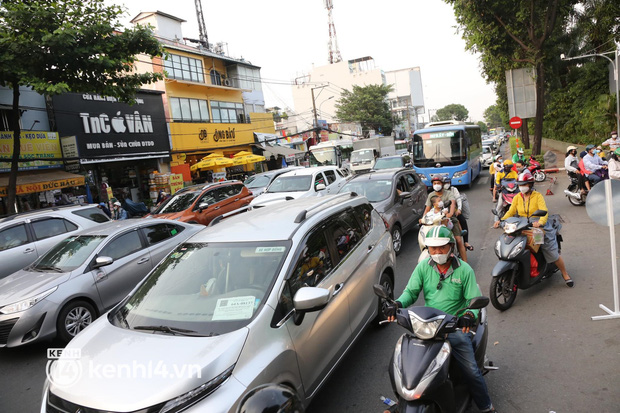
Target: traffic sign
<point x="516" y="122"/>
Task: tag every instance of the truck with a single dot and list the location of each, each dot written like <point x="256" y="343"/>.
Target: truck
<point x="366" y="151"/>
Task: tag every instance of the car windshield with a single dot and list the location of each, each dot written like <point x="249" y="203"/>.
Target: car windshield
<point x="486" y="149"/>
<point x="178" y="202"/>
<point x="375" y="190"/>
<point x="68" y="254"/>
<point x="323" y="156"/>
<point x="205" y="288"/>
<point x="387" y="163"/>
<point x="362" y="155"/>
<point x="291" y="184"/>
<point x="257" y="181"/>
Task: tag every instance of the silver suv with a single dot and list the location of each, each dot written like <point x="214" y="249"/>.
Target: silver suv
<point x="275" y="294"/>
<point x="25" y="237"/>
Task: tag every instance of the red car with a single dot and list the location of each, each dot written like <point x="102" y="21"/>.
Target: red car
<point x="200" y="204"/>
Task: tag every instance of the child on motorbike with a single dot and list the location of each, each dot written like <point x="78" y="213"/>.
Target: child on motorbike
<point x="524" y="205"/>
<point x="438" y="212"/>
<point x="508" y="173"/>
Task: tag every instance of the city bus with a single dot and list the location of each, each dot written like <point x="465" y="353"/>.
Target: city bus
<point x="335" y="152"/>
<point x="447" y="149"/>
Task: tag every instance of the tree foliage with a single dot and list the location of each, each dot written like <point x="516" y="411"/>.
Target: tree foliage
<point x="368" y="106"/>
<point x="483" y="126"/>
<point x="69" y="46"/>
<point x="493" y="116"/>
<point x="453" y="111"/>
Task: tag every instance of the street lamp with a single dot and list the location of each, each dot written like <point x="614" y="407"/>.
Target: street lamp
<point x="331" y="97"/>
<point x="616" y="76"/>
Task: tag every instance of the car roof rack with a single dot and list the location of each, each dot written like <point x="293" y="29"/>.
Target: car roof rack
<point x="242" y="209"/>
<point x="285" y="198"/>
<point x="302" y="215"/>
<point x="42" y="210"/>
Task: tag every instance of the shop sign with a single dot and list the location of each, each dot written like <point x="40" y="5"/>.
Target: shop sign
<point x="179" y="157"/>
<point x="176" y="183"/>
<point x="32" y="145"/>
<point x="109" y="192"/>
<point x="105" y="128"/>
<point x="44" y="186"/>
<point x="210" y="136"/>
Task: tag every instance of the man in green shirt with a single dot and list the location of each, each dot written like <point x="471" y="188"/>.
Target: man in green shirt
<point x="448" y="285"/>
<point x="519" y="156"/>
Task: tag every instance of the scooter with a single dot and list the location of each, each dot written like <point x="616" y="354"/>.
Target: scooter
<point x="576" y="192"/>
<point x="534" y="167"/>
<point x="514" y="269"/>
<point x="509" y="189"/>
<point x="421" y="373"/>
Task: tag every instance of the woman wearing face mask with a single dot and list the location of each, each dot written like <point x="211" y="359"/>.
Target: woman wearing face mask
<point x="461" y="202"/>
<point x="524" y="205"/>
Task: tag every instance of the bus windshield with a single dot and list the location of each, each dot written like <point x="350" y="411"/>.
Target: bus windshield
<point x="444" y="147"/>
<point x="323" y="157"/>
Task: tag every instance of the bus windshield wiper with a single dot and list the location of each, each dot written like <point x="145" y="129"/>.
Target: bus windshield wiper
<point x="167" y="329"/>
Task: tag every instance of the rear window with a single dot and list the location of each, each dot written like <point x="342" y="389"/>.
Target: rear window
<point x="92" y="214"/>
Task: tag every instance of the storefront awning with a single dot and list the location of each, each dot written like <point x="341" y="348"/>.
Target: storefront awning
<point x="38" y="181"/>
<point x="280" y="150"/>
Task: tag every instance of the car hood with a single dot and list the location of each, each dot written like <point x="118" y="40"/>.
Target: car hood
<point x="280" y="196"/>
<point x="25" y="284"/>
<point x="144" y="368"/>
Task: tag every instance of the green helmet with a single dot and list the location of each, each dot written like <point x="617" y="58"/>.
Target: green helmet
<point x="439" y="236"/>
<point x="617" y="152"/>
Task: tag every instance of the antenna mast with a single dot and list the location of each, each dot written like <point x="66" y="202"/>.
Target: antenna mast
<point x="334" y="52"/>
<point x="202" y="28"/>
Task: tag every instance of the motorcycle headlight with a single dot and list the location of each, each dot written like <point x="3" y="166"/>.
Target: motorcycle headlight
<point x="424" y="329"/>
<point x="27" y="303"/>
<point x="498" y="245"/>
<point x="516" y="250"/>
<point x="509" y="228"/>
<point x="192" y="397"/>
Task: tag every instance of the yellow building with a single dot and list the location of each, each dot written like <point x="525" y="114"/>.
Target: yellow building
<point x="213" y="103"/>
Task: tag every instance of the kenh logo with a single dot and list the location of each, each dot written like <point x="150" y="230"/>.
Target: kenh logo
<point x="131" y="123"/>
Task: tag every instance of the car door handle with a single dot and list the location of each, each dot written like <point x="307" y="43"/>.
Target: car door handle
<point x="216" y="208"/>
<point x="143" y="260"/>
<point x="28" y="250"/>
<point x="370" y="248"/>
<point x="236" y="199"/>
<point x="337" y="289"/>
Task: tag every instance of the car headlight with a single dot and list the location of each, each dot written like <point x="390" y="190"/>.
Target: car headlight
<point x="516" y="250"/>
<point x="192" y="397"/>
<point x="498" y="245"/>
<point x="27" y="303"/>
<point x="424" y="329"/>
<point x="459" y="174"/>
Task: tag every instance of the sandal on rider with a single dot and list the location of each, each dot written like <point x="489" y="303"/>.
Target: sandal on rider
<point x="569" y="283"/>
<point x="469" y="247"/>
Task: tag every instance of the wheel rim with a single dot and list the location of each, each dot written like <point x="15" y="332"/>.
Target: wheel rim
<point x="504" y="292"/>
<point x="397" y="239"/>
<point x="388" y="287"/>
<point x="77" y="320"/>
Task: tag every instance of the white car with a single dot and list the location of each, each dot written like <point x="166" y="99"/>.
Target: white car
<point x="302" y="183"/>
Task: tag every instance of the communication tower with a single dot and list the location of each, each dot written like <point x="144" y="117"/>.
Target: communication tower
<point x="334" y="51"/>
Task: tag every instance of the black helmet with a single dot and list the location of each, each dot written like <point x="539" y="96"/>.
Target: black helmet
<point x="271" y="398"/>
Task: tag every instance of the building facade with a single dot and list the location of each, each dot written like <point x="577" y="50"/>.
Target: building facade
<point x="406" y="99"/>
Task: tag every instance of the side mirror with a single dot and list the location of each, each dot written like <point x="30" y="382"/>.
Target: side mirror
<point x="380" y="291"/>
<point x="203" y="206"/>
<point x="539" y="213"/>
<point x="320" y="187"/>
<point x="404" y="195"/>
<point x="308" y="299"/>
<point x="103" y="261"/>
<point x="477" y="303"/>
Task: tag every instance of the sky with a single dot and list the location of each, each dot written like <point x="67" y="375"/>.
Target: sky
<point x="286" y="37"/>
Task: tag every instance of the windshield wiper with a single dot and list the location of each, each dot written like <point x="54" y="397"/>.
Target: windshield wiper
<point x="48" y="267"/>
<point x="171" y="330"/>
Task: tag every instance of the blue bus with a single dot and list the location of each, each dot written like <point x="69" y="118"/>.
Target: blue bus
<point x="447" y="149"/>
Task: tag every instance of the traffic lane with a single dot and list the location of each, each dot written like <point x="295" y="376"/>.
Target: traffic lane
<point x="23" y="376"/>
<point x="551" y="354"/>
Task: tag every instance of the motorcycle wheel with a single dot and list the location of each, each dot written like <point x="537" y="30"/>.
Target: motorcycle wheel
<point x="388" y="284"/>
<point x="539" y="176"/>
<point x="576" y="202"/>
<point x="503" y="294"/>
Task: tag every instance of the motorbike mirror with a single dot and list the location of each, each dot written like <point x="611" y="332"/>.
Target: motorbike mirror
<point x="494" y="212"/>
<point x="380" y="291"/>
<point x="477" y="303"/>
<point x="540" y="213"/>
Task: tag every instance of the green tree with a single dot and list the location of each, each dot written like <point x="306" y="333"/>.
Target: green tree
<point x="493" y="116"/>
<point x="368" y="106"/>
<point x="511" y="34"/>
<point x="483" y="126"/>
<point x="453" y="111"/>
<point x="68" y="46"/>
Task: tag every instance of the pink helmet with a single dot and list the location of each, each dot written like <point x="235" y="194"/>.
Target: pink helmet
<point x="525" y="178"/>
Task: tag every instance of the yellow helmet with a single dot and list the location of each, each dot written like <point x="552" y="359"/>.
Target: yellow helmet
<point x="508" y="162"/>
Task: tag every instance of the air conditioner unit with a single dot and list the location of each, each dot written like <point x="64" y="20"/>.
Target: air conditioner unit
<point x="226" y="82"/>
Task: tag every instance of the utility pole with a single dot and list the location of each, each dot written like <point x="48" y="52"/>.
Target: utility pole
<point x="316" y="121"/>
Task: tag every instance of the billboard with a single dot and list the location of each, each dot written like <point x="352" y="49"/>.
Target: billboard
<point x="32" y="145"/>
<point x="521" y="88"/>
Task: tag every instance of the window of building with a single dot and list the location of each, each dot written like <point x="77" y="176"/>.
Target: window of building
<point x="189" y="110"/>
<point x="184" y="68"/>
<point x="245" y="77"/>
<point x="4" y="120"/>
<point x="227" y="112"/>
<point x="216" y="77"/>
